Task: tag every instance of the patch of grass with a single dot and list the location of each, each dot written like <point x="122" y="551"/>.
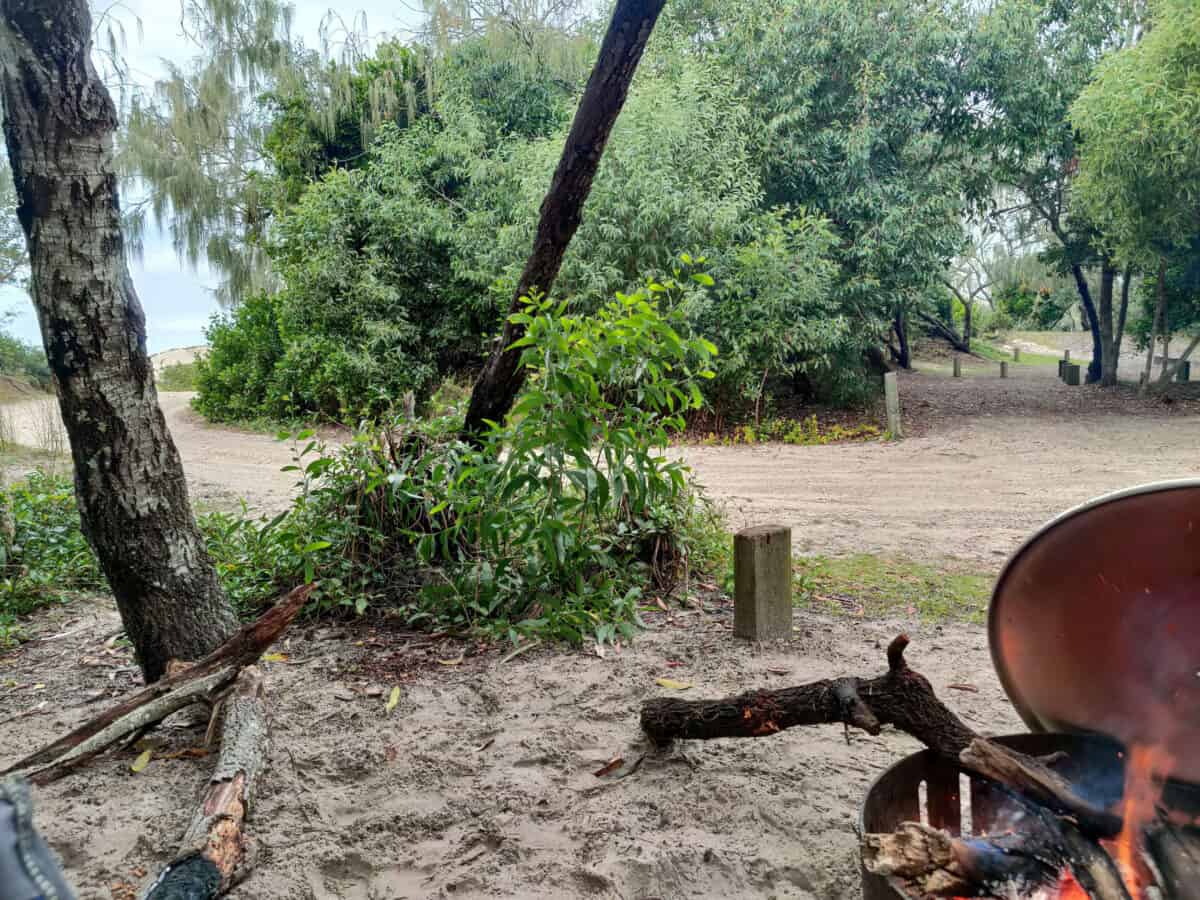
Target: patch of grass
<point x="177" y="377"/>
<point x="994" y="353"/>
<point x="880" y="587"/>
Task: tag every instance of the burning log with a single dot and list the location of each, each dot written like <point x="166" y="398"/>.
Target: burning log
<point x="1175" y="851"/>
<point x="935" y="864"/>
<point x="1033" y="779"/>
<point x="200" y="682"/>
<point x="216" y="852"/>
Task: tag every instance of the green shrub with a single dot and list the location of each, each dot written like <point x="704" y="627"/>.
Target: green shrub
<point x="178" y="377"/>
<point x="43" y="554"/>
<point x="557" y="525"/>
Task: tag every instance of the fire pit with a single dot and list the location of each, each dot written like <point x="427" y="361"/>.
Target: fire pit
<point x="1095" y="630"/>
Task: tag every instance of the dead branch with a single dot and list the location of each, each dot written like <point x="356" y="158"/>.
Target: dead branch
<point x="202" y="681"/>
<point x="216" y="851"/>
<point x="902" y="697"/>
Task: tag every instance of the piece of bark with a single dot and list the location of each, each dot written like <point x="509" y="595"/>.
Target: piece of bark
<point x="202" y="681"/>
<point x="216" y="850"/>
<point x="934" y="863"/>
<point x="1032" y="779"/>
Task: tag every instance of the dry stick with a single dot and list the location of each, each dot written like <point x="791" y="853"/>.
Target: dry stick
<point x="202" y="681"/>
<point x="216" y="852"/>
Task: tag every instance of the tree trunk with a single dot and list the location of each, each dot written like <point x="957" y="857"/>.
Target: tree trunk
<point x="59" y="122"/>
<point x="903" y="351"/>
<point x="968" y="328"/>
<point x="943" y="330"/>
<point x="1108" y="359"/>
<point x="1160" y="311"/>
<point x="1119" y="337"/>
<point x="562" y="208"/>
<point x="1089" y="309"/>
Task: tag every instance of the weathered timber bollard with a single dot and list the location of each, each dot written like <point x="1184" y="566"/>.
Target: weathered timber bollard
<point x="957" y="367"/>
<point x="1184" y="373"/>
<point x="1003" y="370"/>
<point x="1067" y="355"/>
<point x="1071" y="374"/>
<point x="762" y="572"/>
<point x="891" y="397"/>
<point x="1016" y="354"/>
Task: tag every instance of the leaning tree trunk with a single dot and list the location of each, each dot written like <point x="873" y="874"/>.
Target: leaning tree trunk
<point x="968" y="326"/>
<point x="562" y="208"/>
<point x="1089" y="309"/>
<point x="59" y="122"/>
<point x="1108" y="360"/>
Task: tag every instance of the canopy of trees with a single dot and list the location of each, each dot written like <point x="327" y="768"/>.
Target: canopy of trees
<point x="836" y="171"/>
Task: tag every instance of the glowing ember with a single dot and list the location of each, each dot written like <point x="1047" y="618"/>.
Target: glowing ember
<point x="1069" y="889"/>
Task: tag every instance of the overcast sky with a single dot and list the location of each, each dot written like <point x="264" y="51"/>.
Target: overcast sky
<point x="177" y="299"/>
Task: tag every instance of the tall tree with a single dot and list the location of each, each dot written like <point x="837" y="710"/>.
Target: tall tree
<point x="1140" y="163"/>
<point x="59" y="122"/>
<point x="562" y="210"/>
<point x="1030" y="61"/>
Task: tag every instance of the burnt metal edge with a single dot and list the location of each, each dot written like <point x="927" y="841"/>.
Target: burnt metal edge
<point x="1027" y="715"/>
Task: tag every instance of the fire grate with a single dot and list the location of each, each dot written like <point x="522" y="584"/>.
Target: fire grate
<point x="927" y="788"/>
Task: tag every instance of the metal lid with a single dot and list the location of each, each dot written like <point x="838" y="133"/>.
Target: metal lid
<point x="1094" y="623"/>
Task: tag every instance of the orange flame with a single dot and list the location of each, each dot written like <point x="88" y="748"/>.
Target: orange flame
<point x="1069" y="888"/>
<point x="1145" y="770"/>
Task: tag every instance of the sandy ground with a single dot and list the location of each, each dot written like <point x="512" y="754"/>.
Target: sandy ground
<point x="480" y="783"/>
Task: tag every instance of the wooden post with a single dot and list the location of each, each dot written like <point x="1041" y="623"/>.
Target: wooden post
<point x="1003" y="369"/>
<point x="1067" y="355"/>
<point x="1071" y="374"/>
<point x="957" y="367"/>
<point x="1016" y="354"/>
<point x="891" y="396"/>
<point x="762" y="571"/>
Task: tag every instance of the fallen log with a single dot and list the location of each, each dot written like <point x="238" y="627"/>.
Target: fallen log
<point x="216" y="852"/>
<point x="903" y="698"/>
<point x="203" y="681"/>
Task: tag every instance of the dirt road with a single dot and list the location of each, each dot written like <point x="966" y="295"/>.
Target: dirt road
<point x="989" y="461"/>
<point x="223" y="465"/>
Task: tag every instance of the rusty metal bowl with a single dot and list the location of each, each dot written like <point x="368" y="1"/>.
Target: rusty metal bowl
<point x="1094" y="623"/>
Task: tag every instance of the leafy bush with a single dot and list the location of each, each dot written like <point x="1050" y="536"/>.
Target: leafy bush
<point x="556" y="525"/>
<point x="23" y="360"/>
<point x="42" y="550"/>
